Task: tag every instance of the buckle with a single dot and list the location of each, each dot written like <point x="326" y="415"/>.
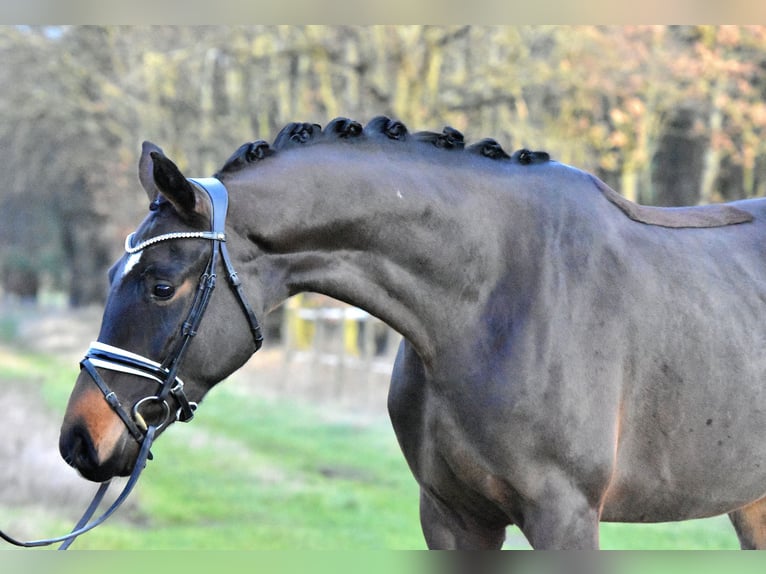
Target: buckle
<point x="186" y="408"/>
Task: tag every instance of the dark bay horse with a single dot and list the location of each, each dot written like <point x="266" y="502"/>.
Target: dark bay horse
<point x="569" y="357"/>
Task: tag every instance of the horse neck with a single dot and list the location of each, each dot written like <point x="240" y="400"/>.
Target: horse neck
<point x="407" y="240"/>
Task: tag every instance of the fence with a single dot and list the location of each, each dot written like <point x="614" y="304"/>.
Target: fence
<point x="343" y="349"/>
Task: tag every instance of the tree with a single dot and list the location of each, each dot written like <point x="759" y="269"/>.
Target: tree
<point x="629" y="103"/>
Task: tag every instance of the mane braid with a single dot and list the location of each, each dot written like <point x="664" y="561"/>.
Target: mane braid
<point x="245" y="155"/>
<point x="526" y="157"/>
<point x="344" y="129"/>
<point x="296" y="133"/>
<point x="488" y="148"/>
<point x="392" y="129"/>
<point x="450" y="138"/>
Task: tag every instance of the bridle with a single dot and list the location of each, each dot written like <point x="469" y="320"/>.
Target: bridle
<point x="165" y="374"/>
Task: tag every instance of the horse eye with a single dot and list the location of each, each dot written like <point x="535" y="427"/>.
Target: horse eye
<point x="163" y="291"/>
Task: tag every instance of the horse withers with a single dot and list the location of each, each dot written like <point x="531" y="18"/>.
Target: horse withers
<point x="569" y="357"/>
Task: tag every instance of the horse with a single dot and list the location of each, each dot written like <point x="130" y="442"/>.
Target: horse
<point x="568" y="356"/>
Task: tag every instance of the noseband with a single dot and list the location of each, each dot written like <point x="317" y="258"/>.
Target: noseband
<point x="165" y="374"/>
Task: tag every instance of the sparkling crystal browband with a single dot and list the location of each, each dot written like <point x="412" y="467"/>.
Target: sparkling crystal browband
<point x="212" y="235"/>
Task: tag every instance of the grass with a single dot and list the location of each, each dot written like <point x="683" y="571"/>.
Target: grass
<point x="258" y="474"/>
<point x="251" y="473"/>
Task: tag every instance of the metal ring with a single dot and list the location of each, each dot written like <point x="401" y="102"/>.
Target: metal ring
<point x="138" y="417"/>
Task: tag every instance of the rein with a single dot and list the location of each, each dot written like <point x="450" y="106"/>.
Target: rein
<point x="165" y="374"/>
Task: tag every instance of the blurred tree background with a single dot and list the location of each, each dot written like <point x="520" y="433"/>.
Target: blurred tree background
<point x="666" y="115"/>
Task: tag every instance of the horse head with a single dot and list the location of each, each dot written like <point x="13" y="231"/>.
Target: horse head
<point x="149" y="365"/>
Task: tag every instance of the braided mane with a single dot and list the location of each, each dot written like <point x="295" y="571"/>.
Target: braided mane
<point x="296" y="134"/>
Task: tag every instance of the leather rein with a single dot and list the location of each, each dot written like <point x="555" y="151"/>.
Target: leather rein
<point x="165" y="374"/>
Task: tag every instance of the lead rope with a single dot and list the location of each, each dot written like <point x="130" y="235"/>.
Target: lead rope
<point x="88" y="514"/>
<point x="83" y="525"/>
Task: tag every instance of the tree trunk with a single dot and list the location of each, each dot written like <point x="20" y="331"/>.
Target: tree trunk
<point x="87" y="253"/>
<point x="679" y="161"/>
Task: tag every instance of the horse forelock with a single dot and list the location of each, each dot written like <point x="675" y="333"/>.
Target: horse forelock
<point x="303" y="134"/>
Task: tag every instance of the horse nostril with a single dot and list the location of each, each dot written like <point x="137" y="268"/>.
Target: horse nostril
<point x="77" y="449"/>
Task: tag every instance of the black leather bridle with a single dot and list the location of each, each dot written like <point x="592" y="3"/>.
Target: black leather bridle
<point x="165" y="374"/>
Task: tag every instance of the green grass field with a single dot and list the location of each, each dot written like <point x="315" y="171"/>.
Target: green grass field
<point x="251" y="473"/>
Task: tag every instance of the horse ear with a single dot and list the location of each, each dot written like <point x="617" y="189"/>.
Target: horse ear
<point x="146" y="170"/>
<point x="160" y="176"/>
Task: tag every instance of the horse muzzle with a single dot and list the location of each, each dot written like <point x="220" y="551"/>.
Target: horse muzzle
<point x="87" y="454"/>
<point x="93" y="439"/>
<point x="100" y="437"/>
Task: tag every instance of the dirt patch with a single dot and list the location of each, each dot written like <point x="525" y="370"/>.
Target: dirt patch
<point x="29" y="451"/>
<point x="62" y="333"/>
<point x="34" y="480"/>
<point x="355" y="391"/>
<point x="36" y="486"/>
